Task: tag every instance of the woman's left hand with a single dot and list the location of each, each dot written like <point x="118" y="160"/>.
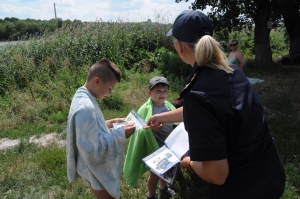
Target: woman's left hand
<point x="185" y="162"/>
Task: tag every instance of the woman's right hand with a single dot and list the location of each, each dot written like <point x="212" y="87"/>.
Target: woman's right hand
<point x="154" y="122"/>
<point x="166" y="117"/>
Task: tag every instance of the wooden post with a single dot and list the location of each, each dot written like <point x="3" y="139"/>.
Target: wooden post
<point x="54" y="10"/>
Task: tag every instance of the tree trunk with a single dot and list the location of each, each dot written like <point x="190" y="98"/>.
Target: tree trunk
<point x="263" y="53"/>
<point x="294" y="35"/>
<point x="292" y="24"/>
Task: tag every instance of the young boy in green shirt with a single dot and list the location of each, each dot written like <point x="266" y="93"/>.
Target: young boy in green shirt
<point x="144" y="142"/>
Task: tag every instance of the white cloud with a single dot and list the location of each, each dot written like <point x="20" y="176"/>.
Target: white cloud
<point x="104" y="5"/>
<point x="164" y="11"/>
<point x="133" y="2"/>
<point x="7" y="8"/>
<point x="67" y="2"/>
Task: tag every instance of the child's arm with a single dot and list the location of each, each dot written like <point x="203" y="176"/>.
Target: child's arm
<point x="109" y="123"/>
<point x="129" y="130"/>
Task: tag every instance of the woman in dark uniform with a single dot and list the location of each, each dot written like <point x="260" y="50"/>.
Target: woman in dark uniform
<point x="231" y="146"/>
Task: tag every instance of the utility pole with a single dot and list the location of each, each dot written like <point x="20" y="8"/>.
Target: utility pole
<point x="54" y="10"/>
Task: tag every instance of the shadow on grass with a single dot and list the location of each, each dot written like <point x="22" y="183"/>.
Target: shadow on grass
<point x="280" y="97"/>
<point x="188" y="185"/>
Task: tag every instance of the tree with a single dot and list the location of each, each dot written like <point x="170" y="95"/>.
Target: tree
<point x="238" y="14"/>
<point x="261" y="15"/>
<point x="12" y="19"/>
<point x="21" y="27"/>
<point x="2" y="31"/>
<point x="290" y="10"/>
<point x="15" y="29"/>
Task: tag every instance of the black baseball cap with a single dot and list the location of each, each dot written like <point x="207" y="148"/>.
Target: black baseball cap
<point x="157" y="80"/>
<point x="190" y="26"/>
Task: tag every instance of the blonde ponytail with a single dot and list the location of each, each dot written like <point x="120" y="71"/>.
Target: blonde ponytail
<point x="208" y="52"/>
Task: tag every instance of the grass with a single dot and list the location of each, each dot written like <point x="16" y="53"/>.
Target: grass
<point x="28" y="171"/>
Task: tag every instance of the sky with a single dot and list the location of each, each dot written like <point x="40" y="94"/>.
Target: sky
<point x="163" y="11"/>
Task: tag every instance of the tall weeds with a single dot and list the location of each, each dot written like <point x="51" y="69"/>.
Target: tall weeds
<point x="49" y="68"/>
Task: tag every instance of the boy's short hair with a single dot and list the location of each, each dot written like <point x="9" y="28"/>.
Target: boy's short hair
<point x="157" y="81"/>
<point x="106" y="70"/>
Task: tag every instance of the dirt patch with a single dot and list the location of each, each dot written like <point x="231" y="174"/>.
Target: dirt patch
<point x="42" y="140"/>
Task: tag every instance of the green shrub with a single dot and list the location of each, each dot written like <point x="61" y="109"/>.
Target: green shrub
<point x="172" y="67"/>
<point x="112" y="102"/>
<point x="58" y="117"/>
<point x="278" y="43"/>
